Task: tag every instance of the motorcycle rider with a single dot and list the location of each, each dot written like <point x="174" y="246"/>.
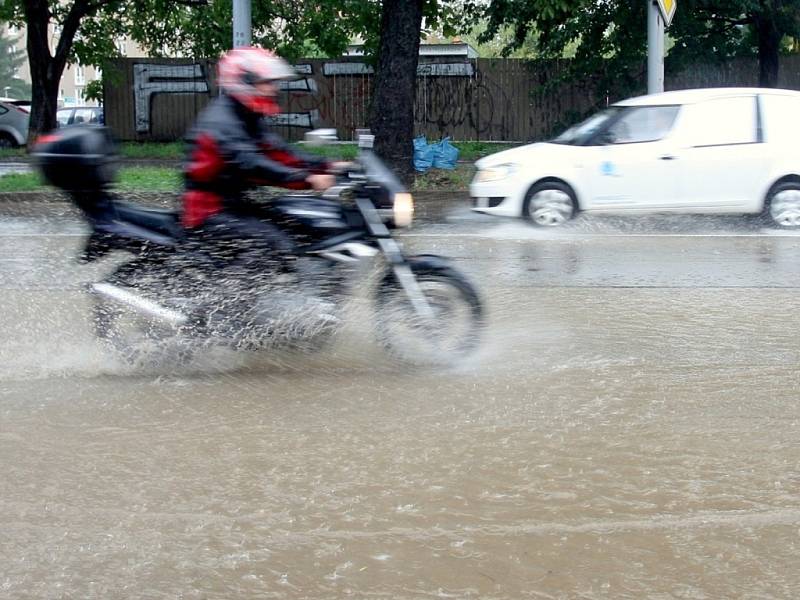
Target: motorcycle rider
<point x="232" y="150"/>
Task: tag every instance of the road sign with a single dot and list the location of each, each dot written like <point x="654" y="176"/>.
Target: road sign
<point x="667" y="8"/>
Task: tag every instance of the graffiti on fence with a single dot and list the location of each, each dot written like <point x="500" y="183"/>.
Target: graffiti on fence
<point x="468" y="104"/>
<point x="490" y="99"/>
<point x="446" y="70"/>
<point x="346" y="68"/>
<point x="306" y="120"/>
<point x="454" y="98"/>
<point x="149" y="79"/>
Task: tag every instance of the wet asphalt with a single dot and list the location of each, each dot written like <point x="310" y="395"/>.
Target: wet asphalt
<point x="628" y="429"/>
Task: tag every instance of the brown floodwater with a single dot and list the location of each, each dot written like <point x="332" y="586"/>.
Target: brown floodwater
<point x="629" y="429"/>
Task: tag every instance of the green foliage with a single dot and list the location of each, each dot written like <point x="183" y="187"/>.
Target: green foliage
<point x="94" y="40"/>
<point x="608" y="38"/>
<point x="705" y="28"/>
<point x="11" y="59"/>
<point x="94" y="90"/>
<point x="293" y="29"/>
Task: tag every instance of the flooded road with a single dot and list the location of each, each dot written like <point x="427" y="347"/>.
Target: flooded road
<point x="629" y="430"/>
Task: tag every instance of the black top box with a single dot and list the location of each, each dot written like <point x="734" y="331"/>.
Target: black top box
<point x="77" y="158"/>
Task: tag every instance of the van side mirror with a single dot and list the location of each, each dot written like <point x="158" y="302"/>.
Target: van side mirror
<point x="606" y="138"/>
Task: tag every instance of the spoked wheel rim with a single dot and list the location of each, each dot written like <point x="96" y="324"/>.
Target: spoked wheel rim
<point x="550" y="207"/>
<point x="447" y="338"/>
<point x="784" y="208"/>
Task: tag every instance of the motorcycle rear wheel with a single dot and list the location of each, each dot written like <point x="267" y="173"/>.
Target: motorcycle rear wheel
<point x="453" y="334"/>
<point x="138" y="341"/>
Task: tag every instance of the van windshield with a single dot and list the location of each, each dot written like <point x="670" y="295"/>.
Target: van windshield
<point x="583" y="131"/>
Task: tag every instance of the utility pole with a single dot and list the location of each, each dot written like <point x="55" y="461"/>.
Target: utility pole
<point x="242" y="27"/>
<point x="655" y="48"/>
<point x="659" y="16"/>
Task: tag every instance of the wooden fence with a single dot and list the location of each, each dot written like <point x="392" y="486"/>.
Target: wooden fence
<point x="485" y="99"/>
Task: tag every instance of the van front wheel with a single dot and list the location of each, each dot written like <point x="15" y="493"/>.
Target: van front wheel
<point x="549" y="204"/>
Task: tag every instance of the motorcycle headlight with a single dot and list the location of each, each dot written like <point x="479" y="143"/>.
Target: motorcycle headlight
<point x="494" y="173"/>
<point x="403" y="209"/>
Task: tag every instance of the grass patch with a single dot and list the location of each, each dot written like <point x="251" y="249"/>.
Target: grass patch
<point x="177" y="150"/>
<point x="151" y="150"/>
<point x="472" y="151"/>
<point x="444" y="179"/>
<point x="12" y="153"/>
<point x="468" y="151"/>
<point x="21" y="182"/>
<point x="149" y="179"/>
<point x="132" y="179"/>
<point x="168" y="179"/>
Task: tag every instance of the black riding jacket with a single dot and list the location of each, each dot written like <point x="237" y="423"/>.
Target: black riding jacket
<point x="232" y="150"/>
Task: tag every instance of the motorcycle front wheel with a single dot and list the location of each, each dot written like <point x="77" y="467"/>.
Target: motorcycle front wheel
<point x="450" y="336"/>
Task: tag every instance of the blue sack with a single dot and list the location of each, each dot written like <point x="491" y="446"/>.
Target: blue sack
<point x="446" y="155"/>
<point x="423" y="154"/>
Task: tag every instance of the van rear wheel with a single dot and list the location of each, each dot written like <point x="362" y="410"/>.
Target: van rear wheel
<point x="782" y="207"/>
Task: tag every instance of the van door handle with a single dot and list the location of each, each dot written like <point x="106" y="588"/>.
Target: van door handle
<point x="668" y="157"/>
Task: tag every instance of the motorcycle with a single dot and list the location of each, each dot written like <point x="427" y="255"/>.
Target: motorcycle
<point x="170" y="293"/>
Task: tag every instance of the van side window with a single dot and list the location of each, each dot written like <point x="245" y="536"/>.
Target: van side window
<point x="780" y="118"/>
<point x="721" y="121"/>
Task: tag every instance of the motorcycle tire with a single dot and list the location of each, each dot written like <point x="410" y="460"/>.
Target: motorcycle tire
<point x="417" y="341"/>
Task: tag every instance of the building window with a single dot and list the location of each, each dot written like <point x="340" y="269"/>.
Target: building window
<point x="80" y="75"/>
<point x="78" y="95"/>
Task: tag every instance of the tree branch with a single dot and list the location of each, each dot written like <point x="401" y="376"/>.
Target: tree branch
<point x="79" y="10"/>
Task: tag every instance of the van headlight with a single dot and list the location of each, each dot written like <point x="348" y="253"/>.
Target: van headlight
<point x="403" y="209"/>
<point x="494" y="173"/>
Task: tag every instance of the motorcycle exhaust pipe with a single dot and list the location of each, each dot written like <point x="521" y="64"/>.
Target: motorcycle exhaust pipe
<point x="142" y="305"/>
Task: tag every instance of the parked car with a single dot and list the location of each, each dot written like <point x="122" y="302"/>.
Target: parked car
<point x="23" y="104"/>
<point x="722" y="150"/>
<point x="75" y="115"/>
<point x="13" y="125"/>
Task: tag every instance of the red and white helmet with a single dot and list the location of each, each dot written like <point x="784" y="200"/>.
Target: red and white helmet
<point x="241" y="68"/>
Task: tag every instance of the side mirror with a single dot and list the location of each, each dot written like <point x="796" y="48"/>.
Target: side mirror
<point x="606" y="138"/>
<point x="320" y="137"/>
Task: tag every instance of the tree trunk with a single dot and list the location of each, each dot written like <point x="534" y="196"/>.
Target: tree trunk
<point x="44" y="93"/>
<point x="395" y="84"/>
<point x="46" y="69"/>
<point x="769" y="39"/>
